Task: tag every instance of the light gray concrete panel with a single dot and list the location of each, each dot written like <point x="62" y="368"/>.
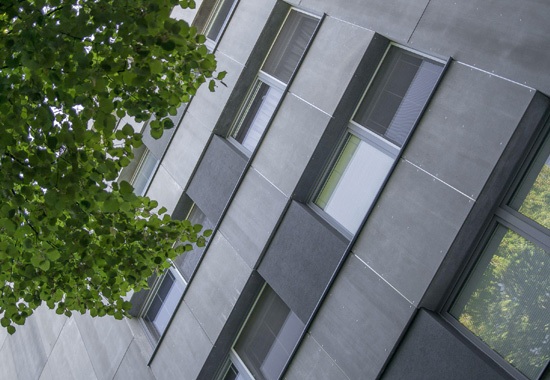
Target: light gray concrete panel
<point x="158" y="146"/>
<point x="69" y="359"/>
<point x="430" y="351"/>
<point x="27" y="349"/>
<point x="312" y="363"/>
<point x="411" y="229"/>
<point x="252" y="216"/>
<point x="216" y="286"/>
<point x="106" y="341"/>
<point x="241" y="34"/>
<point x="290" y="142"/>
<point x="395" y="19"/>
<point x="184" y="348"/>
<point x="134" y="365"/>
<point x="207" y="106"/>
<point x="360" y="321"/>
<point x="7" y="364"/>
<point x="164" y="189"/>
<point x="504" y="37"/>
<point x="185" y="150"/>
<point x="467" y="126"/>
<point x="49" y="325"/>
<point x="330" y="63"/>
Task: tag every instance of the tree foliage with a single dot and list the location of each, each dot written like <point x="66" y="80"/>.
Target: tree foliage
<point x="70" y="236"/>
<point x="509" y="307"/>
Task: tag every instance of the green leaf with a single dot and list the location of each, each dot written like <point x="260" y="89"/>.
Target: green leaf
<point x="53" y="254"/>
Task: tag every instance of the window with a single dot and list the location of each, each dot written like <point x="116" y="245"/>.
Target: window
<point x="505" y="301"/>
<point x="266" y="342"/>
<point x="217" y="22"/>
<point x="375" y="136"/>
<point x="188" y="261"/>
<point x="144" y="172"/>
<point x="165" y="296"/>
<point x="266" y="92"/>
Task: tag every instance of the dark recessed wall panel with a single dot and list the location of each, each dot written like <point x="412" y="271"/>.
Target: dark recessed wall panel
<point x="430" y="351"/>
<point x="301" y="259"/>
<point x="216" y="177"/>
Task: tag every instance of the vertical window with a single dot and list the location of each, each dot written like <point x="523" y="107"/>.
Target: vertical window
<point x="217" y="22"/>
<point x="144" y="173"/>
<point x="266" y="92"/>
<point x="266" y="341"/>
<point x="505" y="301"/>
<point x="384" y="119"/>
<point x="166" y="294"/>
<point x="188" y="261"/>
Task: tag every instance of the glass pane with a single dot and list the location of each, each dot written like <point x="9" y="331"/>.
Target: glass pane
<point x="532" y="198"/>
<point x="290" y="45"/>
<point x="232" y="374"/>
<point x="144" y="173"/>
<point x="164" y="304"/>
<point x="354" y="182"/>
<point x="269" y="337"/>
<point x="505" y="302"/>
<point x="217" y="21"/>
<point x="188" y="261"/>
<point x="397" y="95"/>
<point x="256" y="114"/>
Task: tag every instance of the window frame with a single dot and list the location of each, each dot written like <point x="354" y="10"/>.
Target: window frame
<point x="503" y="216"/>
<point x="150" y="298"/>
<point x="266" y="78"/>
<point x="210" y="43"/>
<point x="140" y="166"/>
<point x="233" y="356"/>
<point x="373" y="139"/>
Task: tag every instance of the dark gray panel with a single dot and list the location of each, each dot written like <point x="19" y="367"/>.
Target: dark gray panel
<point x="430" y="351"/>
<point x="507" y="37"/>
<point x="216" y="177"/>
<point x="360" y="321"/>
<point x="466" y="127"/>
<point x="301" y="259"/>
<point x="410" y="229"/>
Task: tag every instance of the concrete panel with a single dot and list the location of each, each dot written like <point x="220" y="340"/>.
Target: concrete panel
<point x="301" y="258"/>
<point x="320" y="81"/>
<point x="49" y="326"/>
<point x="134" y="365"/>
<point x="290" y="142"/>
<point x="186" y="148"/>
<point x="216" y="286"/>
<point x="27" y="350"/>
<point x="207" y="106"/>
<point x="7" y="364"/>
<point x="241" y="34"/>
<point x="312" y="363"/>
<point x="467" y="126"/>
<point x="158" y="146"/>
<point x="431" y="352"/>
<point x="106" y="341"/>
<point x="186" y="14"/>
<point x="216" y="177"/>
<point x="184" y="348"/>
<point x="395" y="19"/>
<point x="360" y="321"/>
<point x="252" y="216"/>
<point x="69" y="359"/>
<point x="411" y="229"/>
<point x="164" y="189"/>
<point x="504" y="37"/>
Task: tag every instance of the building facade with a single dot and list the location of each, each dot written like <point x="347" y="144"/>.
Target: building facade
<point x="376" y="177"/>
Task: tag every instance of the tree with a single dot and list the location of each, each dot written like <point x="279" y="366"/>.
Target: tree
<point x="71" y="236"/>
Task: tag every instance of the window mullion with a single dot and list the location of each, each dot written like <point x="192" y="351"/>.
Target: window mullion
<point x="524" y="226"/>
